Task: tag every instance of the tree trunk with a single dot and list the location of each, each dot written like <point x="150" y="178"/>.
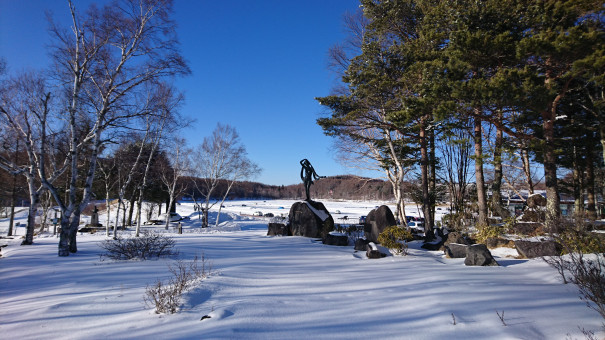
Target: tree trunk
<point x="527" y="169"/>
<point x="396" y="185"/>
<point x="69" y="231"/>
<point x="553" y="206"/>
<point x="130" y="209"/>
<point x="479" y="178"/>
<point x="73" y="231"/>
<point x="591" y="211"/>
<point x="117" y="220"/>
<point x="424" y="161"/>
<point x="13" y="203"/>
<point x="107" y="206"/>
<point x="497" y="207"/>
<point x="577" y="184"/>
<point x="139" y="211"/>
<point x="432" y="173"/>
<point x="602" y="131"/>
<point x="13" y="192"/>
<point x="64" y="236"/>
<point x="34" y="201"/>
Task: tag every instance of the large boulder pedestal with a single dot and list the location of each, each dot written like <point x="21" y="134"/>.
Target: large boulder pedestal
<point x="310" y="219"/>
<point x="377" y="221"/>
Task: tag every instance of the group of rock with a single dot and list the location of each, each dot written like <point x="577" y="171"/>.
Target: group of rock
<point x="312" y="219"/>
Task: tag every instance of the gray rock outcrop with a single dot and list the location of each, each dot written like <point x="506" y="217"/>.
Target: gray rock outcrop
<point x="479" y="255"/>
<point x="377" y="220"/>
<point x="530" y="249"/>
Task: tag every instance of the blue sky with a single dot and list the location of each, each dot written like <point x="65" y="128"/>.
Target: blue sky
<point x="257" y="66"/>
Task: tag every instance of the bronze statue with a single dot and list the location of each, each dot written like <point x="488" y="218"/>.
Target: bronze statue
<point x="308" y="174"/>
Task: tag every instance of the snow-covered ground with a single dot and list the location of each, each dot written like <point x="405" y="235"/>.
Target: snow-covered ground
<point x="282" y="288"/>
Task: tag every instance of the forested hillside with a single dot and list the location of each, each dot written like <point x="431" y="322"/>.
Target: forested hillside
<point x="335" y="187"/>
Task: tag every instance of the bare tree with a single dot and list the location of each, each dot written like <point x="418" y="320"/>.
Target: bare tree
<point x="455" y="151"/>
<point x="173" y="173"/>
<point x="373" y="145"/>
<point x="126" y="172"/>
<point x="25" y="108"/>
<point x="103" y="63"/>
<point x="166" y="101"/>
<point x="108" y="169"/>
<point x="241" y="169"/>
<point x="220" y="157"/>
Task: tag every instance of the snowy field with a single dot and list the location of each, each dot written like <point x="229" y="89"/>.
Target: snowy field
<point x="281" y="288"/>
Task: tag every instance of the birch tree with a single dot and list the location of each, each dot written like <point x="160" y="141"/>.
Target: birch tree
<point x="108" y="170"/>
<point x="162" y="117"/>
<point x="25" y="109"/>
<point x="103" y="61"/>
<point x="218" y="158"/>
<point x="172" y="174"/>
<point x="241" y="168"/>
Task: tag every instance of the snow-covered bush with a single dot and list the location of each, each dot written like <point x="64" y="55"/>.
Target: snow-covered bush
<point x="165" y="297"/>
<point x="396" y="239"/>
<point x="584" y="264"/>
<point x="148" y="245"/>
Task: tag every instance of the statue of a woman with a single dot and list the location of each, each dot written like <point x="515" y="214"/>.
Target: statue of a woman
<point x="308" y="174"/>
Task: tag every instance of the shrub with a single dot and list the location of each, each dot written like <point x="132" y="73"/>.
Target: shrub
<point x="579" y="241"/>
<point x="395" y="238"/>
<point x="166" y="296"/>
<point x="460" y="221"/>
<point x="148" y="245"/>
<point x="488" y="231"/>
<point x="509" y="222"/>
<point x="355" y="232"/>
<point x="584" y="264"/>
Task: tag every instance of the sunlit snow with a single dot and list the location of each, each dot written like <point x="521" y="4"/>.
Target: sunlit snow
<point x="281" y="288"/>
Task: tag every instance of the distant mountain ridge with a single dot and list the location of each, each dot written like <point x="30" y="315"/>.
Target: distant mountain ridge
<point x="332" y="187"/>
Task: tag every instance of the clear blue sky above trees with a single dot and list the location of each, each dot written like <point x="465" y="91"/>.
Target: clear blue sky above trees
<point x="257" y="66"/>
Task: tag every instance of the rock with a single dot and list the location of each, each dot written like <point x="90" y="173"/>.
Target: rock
<point x="479" y="255"/>
<point x="88" y="229"/>
<point x="531" y="215"/>
<point x="455" y="250"/>
<point x="536" y="200"/>
<point x="527" y="228"/>
<point x="373" y="252"/>
<point x="336" y="240"/>
<point x="378" y="220"/>
<point x="530" y="249"/>
<point x="455" y="237"/>
<point x="278" y="229"/>
<point x="432" y="245"/>
<point x="361" y="244"/>
<point x="433" y="239"/>
<point x="496" y="242"/>
<point x="310" y="219"/>
<point x="429" y="235"/>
